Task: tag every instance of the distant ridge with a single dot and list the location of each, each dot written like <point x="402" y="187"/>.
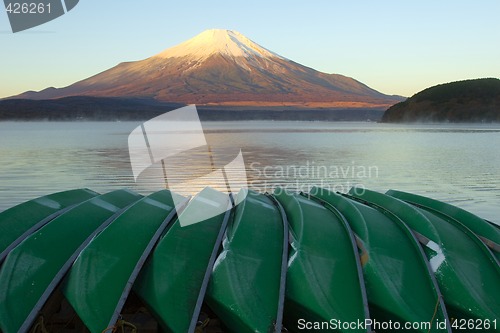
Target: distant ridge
<point x="462" y="101"/>
<point x="223" y="68"/>
<point x="82" y="108"/>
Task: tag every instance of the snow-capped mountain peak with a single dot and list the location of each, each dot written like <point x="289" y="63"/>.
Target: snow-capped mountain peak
<point x="223" y="67"/>
<point x="218" y="41"/>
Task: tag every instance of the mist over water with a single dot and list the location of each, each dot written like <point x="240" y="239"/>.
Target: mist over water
<point x="454" y="163"/>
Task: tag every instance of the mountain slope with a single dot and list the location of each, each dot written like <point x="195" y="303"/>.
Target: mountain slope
<point x="221" y="67"/>
<point x="462" y="101"/>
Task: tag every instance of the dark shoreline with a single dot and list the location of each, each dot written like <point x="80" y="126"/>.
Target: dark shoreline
<point x="122" y="109"/>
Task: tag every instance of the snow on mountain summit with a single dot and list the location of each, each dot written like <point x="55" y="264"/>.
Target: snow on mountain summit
<point x="218" y="41"/>
<point x="223" y="67"/>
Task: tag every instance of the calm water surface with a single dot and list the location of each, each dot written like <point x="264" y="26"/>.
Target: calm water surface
<point x="455" y="163"/>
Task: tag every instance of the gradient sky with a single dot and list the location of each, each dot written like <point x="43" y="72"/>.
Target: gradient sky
<point x="397" y="47"/>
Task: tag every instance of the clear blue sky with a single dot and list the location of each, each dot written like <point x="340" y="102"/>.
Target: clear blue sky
<point x="397" y="47"/>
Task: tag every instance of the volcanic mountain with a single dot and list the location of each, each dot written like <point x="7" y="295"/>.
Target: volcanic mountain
<point x="223" y="67"/>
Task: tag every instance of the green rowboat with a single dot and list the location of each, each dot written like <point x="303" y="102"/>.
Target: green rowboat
<point x="245" y="284"/>
<point x="348" y="254"/>
<point x="20" y="221"/>
<point x="487" y="232"/>
<point x="173" y="281"/>
<point x="466" y="272"/>
<point x="323" y="278"/>
<point x="398" y="279"/>
<point x="34" y="268"/>
<point x="101" y="278"/>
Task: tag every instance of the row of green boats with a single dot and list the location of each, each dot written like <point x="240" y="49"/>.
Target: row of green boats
<point x="298" y="262"/>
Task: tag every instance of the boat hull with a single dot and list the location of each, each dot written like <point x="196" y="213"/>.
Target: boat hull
<point x="172" y="281"/>
<point x="399" y="282"/>
<point x="488" y="233"/>
<point x="323" y="278"/>
<point x="245" y="283"/>
<point x="20" y="221"/>
<point x="465" y="271"/>
<point x="99" y="281"/>
<point x="34" y="268"/>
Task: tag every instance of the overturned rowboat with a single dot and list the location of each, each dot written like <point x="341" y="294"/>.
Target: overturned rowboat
<point x="319" y="261"/>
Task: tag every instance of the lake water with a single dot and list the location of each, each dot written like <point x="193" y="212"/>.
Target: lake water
<point x="459" y="164"/>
